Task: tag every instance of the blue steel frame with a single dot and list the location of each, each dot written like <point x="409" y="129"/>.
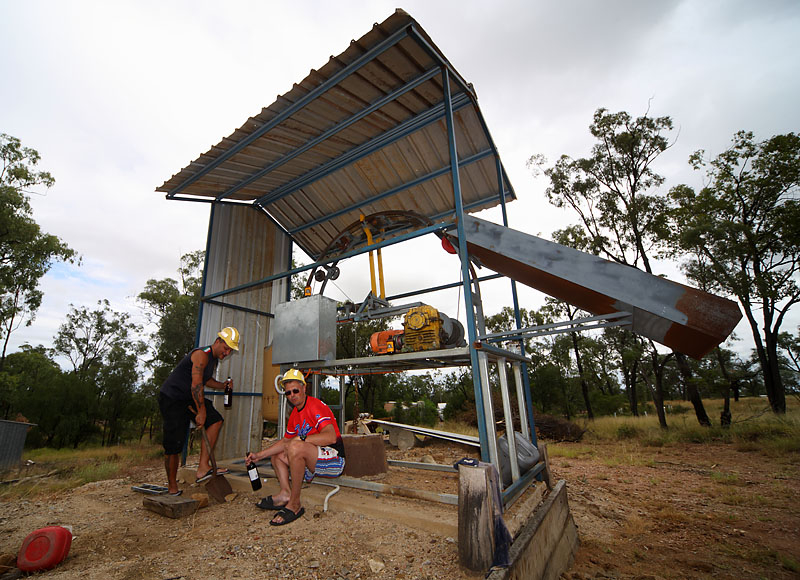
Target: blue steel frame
<point x="446" y="109"/>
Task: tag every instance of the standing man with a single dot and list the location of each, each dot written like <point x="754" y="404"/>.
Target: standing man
<point x="312" y="445"/>
<point x="181" y="400"/>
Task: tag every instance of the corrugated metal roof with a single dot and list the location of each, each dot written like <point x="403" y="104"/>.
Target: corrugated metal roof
<point x="365" y="133"/>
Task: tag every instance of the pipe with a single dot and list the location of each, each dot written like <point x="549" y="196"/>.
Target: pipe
<point x="330" y="493"/>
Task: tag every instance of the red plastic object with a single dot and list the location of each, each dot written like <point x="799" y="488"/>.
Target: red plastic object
<point x="448" y="247"/>
<point x="44" y="549"/>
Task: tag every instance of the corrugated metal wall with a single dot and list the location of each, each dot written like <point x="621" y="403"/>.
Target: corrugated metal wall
<point x="244" y="246"/>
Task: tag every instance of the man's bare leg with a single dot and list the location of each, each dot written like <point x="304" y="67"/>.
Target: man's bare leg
<point x="281" y="466"/>
<point x="300" y="455"/>
<point x="171" y="467"/>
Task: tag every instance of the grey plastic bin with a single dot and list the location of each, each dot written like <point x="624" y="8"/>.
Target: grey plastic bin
<point x="12" y="442"/>
<point x="527" y="455"/>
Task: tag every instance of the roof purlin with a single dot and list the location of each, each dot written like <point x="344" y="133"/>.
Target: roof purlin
<point x="332" y="131"/>
<point x="415" y="123"/>
<point x="288" y="112"/>
<point x="438" y="173"/>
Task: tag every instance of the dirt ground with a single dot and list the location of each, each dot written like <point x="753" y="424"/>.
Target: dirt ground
<point x="695" y="511"/>
<point x="680" y="512"/>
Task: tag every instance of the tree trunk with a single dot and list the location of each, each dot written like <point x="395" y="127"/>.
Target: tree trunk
<point x="725" y="416"/>
<point x="630" y="383"/>
<point x="691" y="389"/>
<point x="773" y="381"/>
<point x="768" y="358"/>
<point x="658" y="400"/>
<point x="658" y="391"/>
<point x="584" y="385"/>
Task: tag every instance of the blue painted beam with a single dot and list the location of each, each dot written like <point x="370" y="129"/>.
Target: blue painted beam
<point x="331" y="132"/>
<point x="395" y="134"/>
<point x="516" y="488"/>
<point x="443" y="62"/>
<point x="334" y="80"/>
<point x="418" y="181"/>
<point x="467" y="208"/>
<point x="463" y="254"/>
<point x="357" y="252"/>
<point x="442" y="287"/>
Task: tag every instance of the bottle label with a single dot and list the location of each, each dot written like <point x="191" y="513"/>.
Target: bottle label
<point x="253" y="473"/>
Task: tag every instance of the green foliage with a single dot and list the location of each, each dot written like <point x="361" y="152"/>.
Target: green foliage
<point x="627" y="432"/>
<point x="102" y="346"/>
<point x="26" y="253"/>
<point x="173" y="306"/>
<point x="352" y="341"/>
<point x="26" y="382"/>
<point x="608" y="404"/>
<point x="613" y="190"/>
<point x="422" y="412"/>
<point x="742" y="233"/>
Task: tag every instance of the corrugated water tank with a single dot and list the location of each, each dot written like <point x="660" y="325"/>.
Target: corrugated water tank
<point x="304" y="330"/>
<point x="12" y="442"/>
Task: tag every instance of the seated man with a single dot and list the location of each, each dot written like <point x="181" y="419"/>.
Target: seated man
<point x="312" y="445"/>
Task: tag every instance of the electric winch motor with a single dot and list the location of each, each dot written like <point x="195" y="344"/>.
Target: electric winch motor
<point x="423" y="328"/>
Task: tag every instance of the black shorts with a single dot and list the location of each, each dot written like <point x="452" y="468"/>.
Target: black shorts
<point x="177" y="416"/>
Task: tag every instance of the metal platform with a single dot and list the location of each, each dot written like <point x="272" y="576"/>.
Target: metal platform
<point x="410" y="361"/>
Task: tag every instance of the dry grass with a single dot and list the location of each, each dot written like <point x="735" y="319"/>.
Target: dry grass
<point x="51" y="470"/>
<point x="755" y="427"/>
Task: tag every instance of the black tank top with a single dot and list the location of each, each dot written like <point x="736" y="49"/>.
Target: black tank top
<point x="178" y="385"/>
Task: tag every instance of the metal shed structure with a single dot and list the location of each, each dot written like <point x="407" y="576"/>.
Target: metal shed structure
<point x="388" y="127"/>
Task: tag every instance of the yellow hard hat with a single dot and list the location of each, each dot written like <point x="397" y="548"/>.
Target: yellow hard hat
<point x="231" y="337"/>
<point x="293" y="375"/>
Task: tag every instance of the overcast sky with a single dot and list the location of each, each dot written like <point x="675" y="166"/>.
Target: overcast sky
<point x="118" y="96"/>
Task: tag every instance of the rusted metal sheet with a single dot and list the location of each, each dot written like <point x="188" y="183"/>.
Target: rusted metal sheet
<point x="243" y="247"/>
<point x="681" y="317"/>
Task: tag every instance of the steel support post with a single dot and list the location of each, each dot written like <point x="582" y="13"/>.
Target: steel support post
<point x="205" y="274"/>
<point x="489" y="438"/>
<point x="510" y="438"/>
<point x="523" y="412"/>
<point x="488" y="442"/>
<point x="315" y="378"/>
<point x="528" y="422"/>
<point x="341" y="402"/>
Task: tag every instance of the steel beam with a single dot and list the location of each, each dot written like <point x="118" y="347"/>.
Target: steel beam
<point x="289" y="273"/>
<point x="291" y="110"/>
<point x="510" y="438"/>
<point x="392" y="135"/>
<point x="395" y="190"/>
<point x="411" y="85"/>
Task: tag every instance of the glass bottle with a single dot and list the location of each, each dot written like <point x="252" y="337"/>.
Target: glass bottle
<point x="228" y="394"/>
<point x="252" y="473"/>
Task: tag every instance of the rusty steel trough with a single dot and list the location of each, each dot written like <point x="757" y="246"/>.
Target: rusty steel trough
<point x="681" y="317"/>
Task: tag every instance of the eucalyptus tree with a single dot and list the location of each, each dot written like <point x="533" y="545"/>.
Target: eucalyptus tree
<point x="26" y="252"/>
<point x="105" y="352"/>
<point x="615" y="193"/>
<point x="172" y="306"/>
<point x="744" y="227"/>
